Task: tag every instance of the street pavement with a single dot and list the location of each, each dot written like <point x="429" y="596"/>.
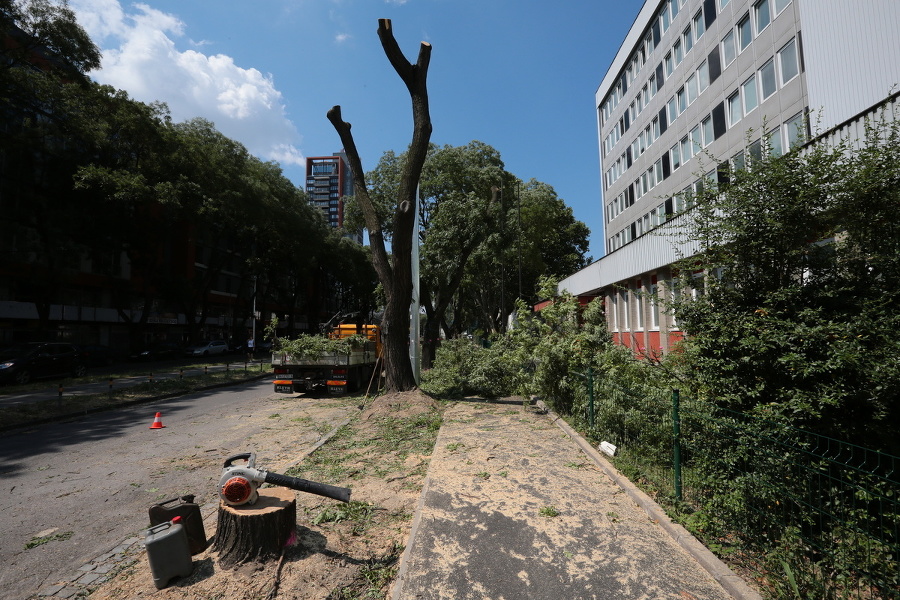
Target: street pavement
<point x="517" y="506"/>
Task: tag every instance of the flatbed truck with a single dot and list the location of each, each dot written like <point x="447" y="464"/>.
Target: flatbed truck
<point x="336" y="373"/>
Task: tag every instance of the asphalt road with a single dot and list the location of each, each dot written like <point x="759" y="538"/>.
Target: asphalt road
<point x="87" y="485"/>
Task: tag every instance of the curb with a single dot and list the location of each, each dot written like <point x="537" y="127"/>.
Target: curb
<point x="719" y="571"/>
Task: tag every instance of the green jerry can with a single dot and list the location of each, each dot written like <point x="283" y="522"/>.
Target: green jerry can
<point x="168" y="552"/>
<point x="189" y="512"/>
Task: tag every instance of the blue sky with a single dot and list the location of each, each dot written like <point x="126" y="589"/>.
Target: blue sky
<point x="519" y="75"/>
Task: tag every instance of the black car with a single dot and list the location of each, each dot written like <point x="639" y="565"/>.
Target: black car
<point x="24" y="362"/>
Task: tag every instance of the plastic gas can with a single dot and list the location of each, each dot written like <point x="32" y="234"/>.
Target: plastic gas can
<point x="168" y="552"/>
<point x="189" y="511"/>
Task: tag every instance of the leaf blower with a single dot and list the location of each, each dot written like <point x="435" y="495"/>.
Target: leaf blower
<point x="239" y="483"/>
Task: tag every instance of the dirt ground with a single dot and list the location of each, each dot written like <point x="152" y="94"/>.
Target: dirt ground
<point x="340" y="551"/>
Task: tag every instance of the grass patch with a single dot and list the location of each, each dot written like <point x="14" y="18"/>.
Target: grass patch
<point x="56" y="537"/>
<point x="548" y="511"/>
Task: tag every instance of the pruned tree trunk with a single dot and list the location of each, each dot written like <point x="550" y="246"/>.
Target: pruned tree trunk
<point x="395" y="273"/>
<point x="257" y="532"/>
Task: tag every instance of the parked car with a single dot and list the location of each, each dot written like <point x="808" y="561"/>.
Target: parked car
<point x="98" y="356"/>
<point x="24" y="362"/>
<point x="207" y="348"/>
<point x="158" y="351"/>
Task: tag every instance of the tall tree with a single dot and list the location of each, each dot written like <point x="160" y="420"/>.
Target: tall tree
<point x="459" y="194"/>
<point x="395" y="272"/>
<point x="536" y="236"/>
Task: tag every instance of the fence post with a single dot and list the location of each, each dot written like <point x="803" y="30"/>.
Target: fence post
<point x="676" y="429"/>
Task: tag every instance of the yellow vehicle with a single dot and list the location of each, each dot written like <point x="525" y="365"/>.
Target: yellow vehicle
<point x="335" y="371"/>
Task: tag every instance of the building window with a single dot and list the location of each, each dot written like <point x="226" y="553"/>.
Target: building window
<point x="745" y="32"/>
<point x="723" y="4"/>
<point x="673" y="110"/>
<point x="691" y="89"/>
<point x="787" y="58"/>
<point x="639" y="307"/>
<point x="699" y="25"/>
<point x="686" y="153"/>
<point x="780" y="5"/>
<point x="679" y="55"/>
<point x="763" y="16"/>
<point x="734" y="108"/>
<point x="624" y="294"/>
<point x="669" y="65"/>
<point x="682" y="100"/>
<point x="614" y="302"/>
<point x="652" y="85"/>
<point x="796" y="130"/>
<point x="696" y="141"/>
<point x="767" y="79"/>
<point x="688" y="39"/>
<point x="703" y="76"/>
<point x="773" y="141"/>
<point x="748" y="91"/>
<point x="654" y="307"/>
<point x="728" y="50"/>
<point x="675" y="156"/>
<point x="707" y="128"/>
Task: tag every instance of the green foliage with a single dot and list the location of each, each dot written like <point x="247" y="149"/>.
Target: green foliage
<point x="464" y="368"/>
<point x="314" y="347"/>
<point x="800" y="312"/>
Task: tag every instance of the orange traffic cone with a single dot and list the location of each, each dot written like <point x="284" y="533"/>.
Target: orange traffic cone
<point x="157" y="422"/>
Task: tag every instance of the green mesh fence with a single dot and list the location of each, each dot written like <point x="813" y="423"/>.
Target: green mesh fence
<point x="816" y="516"/>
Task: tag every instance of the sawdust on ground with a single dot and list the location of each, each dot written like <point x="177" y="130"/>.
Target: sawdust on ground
<point x="328" y="560"/>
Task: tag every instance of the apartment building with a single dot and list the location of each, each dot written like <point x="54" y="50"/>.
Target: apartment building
<point x="328" y="181"/>
<point x="700" y="83"/>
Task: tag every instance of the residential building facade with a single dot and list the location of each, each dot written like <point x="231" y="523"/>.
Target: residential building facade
<point x="328" y="181"/>
<point x="698" y="84"/>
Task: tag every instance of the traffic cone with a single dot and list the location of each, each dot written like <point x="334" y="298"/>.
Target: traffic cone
<point x="157" y="422"/>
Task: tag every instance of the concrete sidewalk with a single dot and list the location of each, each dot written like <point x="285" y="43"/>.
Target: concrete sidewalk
<point x="517" y="506"/>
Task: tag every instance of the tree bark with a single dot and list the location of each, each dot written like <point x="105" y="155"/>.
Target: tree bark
<point x="256" y="532"/>
<point x="395" y="274"/>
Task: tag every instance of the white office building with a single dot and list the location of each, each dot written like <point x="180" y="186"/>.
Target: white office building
<point x="696" y="79"/>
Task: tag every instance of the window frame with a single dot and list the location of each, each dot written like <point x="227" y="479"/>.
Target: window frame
<point x="706" y="127"/>
<point x="744" y="87"/>
<point x="756" y="13"/>
<point x="727" y="41"/>
<point x="730" y="105"/>
<point x="796" y="62"/>
<point x="742" y="43"/>
<point x="762" y="87"/>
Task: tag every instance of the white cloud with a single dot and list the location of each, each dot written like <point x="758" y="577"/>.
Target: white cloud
<point x="342" y="37"/>
<point x="141" y="57"/>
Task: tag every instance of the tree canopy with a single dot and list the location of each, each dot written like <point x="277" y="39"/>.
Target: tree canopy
<point x="799" y="309"/>
<point x="92" y="179"/>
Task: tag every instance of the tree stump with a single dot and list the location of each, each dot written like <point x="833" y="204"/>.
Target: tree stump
<point x="255" y="532"/>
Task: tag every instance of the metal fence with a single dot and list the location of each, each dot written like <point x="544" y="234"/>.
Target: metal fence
<point x="816" y="516"/>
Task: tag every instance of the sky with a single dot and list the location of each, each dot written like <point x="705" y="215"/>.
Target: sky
<point x="519" y="75"/>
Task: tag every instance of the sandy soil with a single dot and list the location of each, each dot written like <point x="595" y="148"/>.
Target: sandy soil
<point x="334" y="554"/>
